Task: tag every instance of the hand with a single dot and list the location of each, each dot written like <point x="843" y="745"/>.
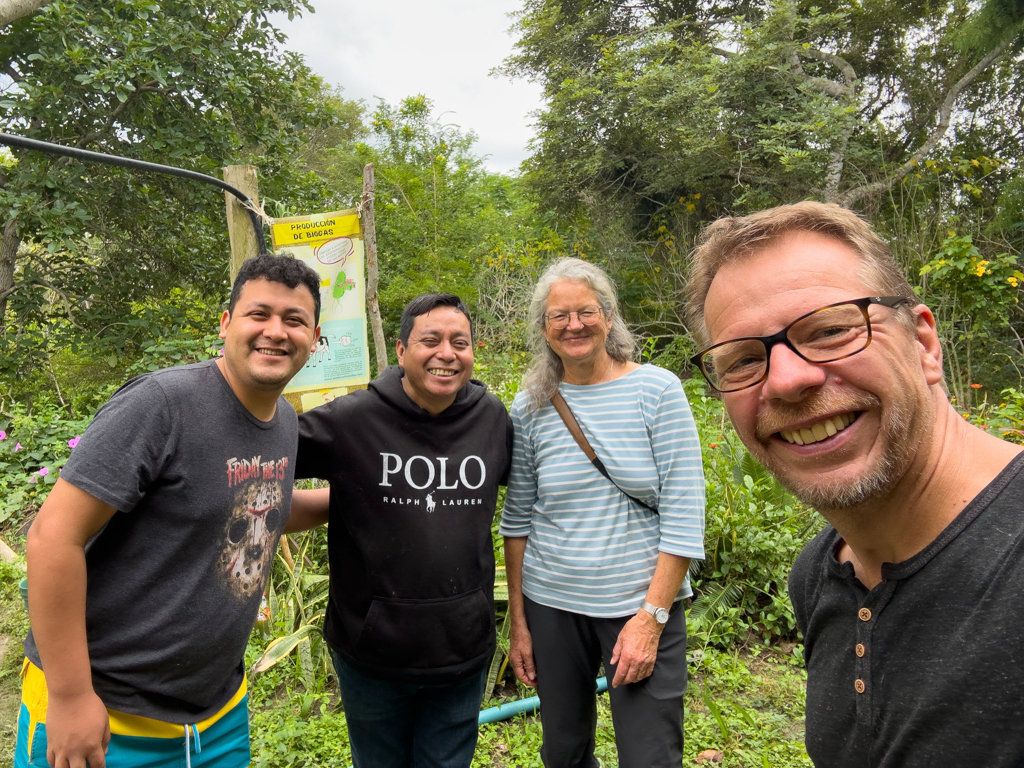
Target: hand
<point x="636" y="649"/>
<point x="520" y="653"/>
<point x="77" y="731"/>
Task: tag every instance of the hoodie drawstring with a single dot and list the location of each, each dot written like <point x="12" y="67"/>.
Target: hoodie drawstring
<point x="188" y="749"/>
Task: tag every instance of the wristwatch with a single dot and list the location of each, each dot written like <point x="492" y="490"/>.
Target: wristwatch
<point x="660" y="614"/>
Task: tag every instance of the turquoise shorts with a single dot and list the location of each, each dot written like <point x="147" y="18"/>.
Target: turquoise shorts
<point x="220" y="741"/>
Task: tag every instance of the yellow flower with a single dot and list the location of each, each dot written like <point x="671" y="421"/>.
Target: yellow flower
<point x="1012" y="281"/>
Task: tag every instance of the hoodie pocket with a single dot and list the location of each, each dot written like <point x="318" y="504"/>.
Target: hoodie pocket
<point x="426" y="634"/>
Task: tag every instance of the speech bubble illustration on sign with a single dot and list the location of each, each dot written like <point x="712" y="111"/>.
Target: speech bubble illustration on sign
<point x="335" y="251"/>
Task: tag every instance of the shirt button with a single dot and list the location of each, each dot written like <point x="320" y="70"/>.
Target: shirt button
<point x="865" y="614"/>
<point x="860" y="650"/>
<point x="859" y="685"/>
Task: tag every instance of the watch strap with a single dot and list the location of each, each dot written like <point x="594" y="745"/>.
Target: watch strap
<point x="660" y="614"/>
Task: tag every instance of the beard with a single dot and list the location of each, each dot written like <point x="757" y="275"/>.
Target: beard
<point x="900" y="425"/>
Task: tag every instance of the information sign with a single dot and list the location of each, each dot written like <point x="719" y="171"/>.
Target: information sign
<point x="332" y="244"/>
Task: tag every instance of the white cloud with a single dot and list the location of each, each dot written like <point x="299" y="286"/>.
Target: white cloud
<point x="397" y="48"/>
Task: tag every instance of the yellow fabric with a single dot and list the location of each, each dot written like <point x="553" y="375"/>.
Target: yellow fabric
<point x="34" y="696"/>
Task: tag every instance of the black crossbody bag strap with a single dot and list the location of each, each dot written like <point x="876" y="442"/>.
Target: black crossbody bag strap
<point x="581" y="440"/>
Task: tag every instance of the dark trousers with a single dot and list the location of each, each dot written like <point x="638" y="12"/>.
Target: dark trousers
<point x="405" y="725"/>
<point x="568" y="648"/>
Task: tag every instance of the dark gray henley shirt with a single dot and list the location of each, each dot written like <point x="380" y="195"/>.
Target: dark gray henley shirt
<point x="927" y="668"/>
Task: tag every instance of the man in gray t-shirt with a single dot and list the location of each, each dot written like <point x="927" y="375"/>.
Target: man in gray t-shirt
<point x="148" y="560"/>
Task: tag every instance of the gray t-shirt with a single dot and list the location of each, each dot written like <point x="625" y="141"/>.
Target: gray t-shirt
<point x="203" y="490"/>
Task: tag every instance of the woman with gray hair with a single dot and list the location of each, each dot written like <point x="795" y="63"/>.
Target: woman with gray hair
<point x="597" y="548"/>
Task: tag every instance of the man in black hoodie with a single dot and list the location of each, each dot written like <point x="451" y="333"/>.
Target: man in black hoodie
<point x="414" y="463"/>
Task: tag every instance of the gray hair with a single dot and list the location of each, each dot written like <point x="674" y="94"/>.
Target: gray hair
<point x="546" y="371"/>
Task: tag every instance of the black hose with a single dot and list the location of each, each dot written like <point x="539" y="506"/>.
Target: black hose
<point x="138" y="165"/>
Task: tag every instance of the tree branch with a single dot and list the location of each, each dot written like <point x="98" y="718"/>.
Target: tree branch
<point x="111" y="119"/>
<point x="945" y="112"/>
<point x="848" y="72"/>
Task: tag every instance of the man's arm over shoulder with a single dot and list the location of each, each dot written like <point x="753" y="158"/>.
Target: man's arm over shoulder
<point x="77" y="725"/>
<point x="320" y="430"/>
<point x="309" y="509"/>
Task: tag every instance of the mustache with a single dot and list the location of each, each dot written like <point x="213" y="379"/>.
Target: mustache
<point x="776" y="417"/>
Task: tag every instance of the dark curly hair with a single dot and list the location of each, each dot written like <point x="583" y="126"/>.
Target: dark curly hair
<point x="278" y="269"/>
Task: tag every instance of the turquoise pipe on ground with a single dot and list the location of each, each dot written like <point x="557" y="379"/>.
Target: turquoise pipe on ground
<point x="523" y="706"/>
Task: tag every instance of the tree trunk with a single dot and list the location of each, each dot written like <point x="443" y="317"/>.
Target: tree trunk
<point x="372" y="273"/>
<point x="12" y="10"/>
<point x="9" y="245"/>
<point x="836" y="161"/>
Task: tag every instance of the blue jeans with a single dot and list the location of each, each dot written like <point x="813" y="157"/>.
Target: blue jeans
<point x="407" y="725"/>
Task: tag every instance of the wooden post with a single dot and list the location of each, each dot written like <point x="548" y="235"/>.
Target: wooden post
<point x="243" y="239"/>
<point x="372" y="274"/>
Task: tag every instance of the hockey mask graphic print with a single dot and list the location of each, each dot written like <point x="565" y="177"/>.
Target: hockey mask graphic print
<point x="250" y="537"/>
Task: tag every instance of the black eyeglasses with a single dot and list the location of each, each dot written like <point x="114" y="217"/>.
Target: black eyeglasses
<point x="827" y="334"/>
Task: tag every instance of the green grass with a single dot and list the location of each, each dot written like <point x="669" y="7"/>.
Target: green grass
<point x="749" y="705"/>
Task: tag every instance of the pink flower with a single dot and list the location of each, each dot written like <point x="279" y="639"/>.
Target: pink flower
<point x="3" y="435"/>
<point x="44" y="472"/>
<point x="73" y="442"/>
<point x="17" y="447"/>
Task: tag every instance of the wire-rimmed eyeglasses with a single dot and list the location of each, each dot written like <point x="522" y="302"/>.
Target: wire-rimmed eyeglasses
<point x="587" y="315"/>
<point x="825" y="335"/>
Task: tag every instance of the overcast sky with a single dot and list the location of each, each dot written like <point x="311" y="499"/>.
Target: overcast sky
<point x="442" y="48"/>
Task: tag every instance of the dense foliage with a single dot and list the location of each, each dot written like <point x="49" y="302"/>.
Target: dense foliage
<point x="196" y="85"/>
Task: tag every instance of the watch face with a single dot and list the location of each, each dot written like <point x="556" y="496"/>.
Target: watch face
<point x="661" y="616"/>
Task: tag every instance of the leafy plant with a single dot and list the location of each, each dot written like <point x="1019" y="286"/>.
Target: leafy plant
<point x="294" y="605"/>
<point x="976" y="297"/>
<point x="754" y="531"/>
<point x="33" y="448"/>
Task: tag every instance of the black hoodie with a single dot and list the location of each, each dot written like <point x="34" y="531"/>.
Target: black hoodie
<point x="409" y="540"/>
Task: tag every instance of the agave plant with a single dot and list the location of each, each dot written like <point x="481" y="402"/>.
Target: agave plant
<point x="500" y="661"/>
<point x="296" y="616"/>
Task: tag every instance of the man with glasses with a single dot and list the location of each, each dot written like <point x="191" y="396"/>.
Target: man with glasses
<point x="831" y="372"/>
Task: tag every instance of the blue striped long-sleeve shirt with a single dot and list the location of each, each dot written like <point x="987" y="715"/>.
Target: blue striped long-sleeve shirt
<point x="590" y="549"/>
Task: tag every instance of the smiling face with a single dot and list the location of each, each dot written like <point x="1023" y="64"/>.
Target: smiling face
<point x="835" y="434"/>
<point x="438" y="360"/>
<point x="577" y="343"/>
<point x="267" y="337"/>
